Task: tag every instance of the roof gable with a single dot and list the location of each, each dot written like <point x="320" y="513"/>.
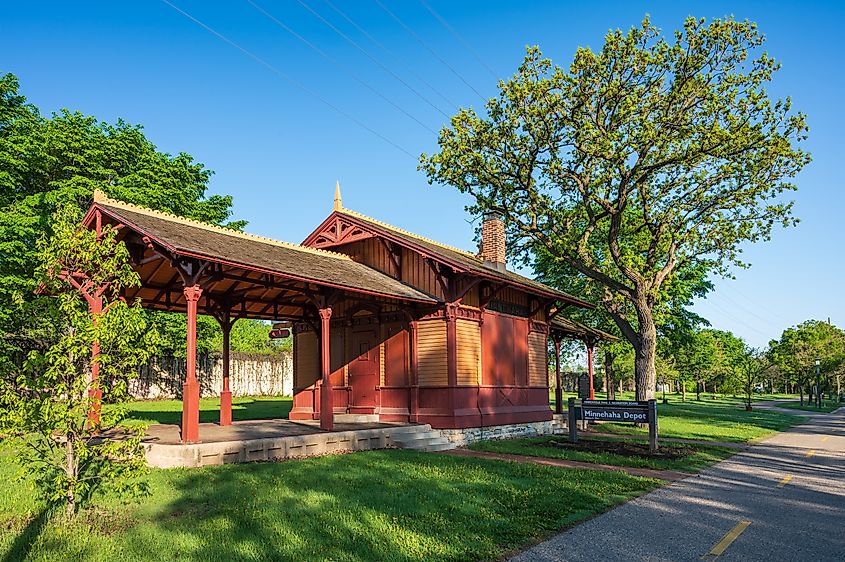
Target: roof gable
<point x="344" y="226"/>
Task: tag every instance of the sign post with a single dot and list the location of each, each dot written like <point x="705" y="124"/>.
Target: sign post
<point x="618" y="411"/>
<point x="572" y="417"/>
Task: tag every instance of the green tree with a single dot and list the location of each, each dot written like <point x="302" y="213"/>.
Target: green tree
<point x="251" y="336"/>
<point x="62" y="159"/>
<point x="47" y="406"/>
<point x="674" y="321"/>
<point x="796" y="351"/>
<point x="748" y="371"/>
<point x="638" y="161"/>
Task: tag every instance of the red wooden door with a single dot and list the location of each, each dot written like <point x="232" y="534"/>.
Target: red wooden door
<point x="364" y="372"/>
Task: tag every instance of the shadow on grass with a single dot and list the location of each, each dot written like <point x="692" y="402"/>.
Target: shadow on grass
<point x="25" y="540"/>
<point x="247" y="408"/>
<point x="382" y="505"/>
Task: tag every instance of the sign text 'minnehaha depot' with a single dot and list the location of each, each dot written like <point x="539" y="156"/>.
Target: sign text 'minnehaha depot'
<point x="622" y="411"/>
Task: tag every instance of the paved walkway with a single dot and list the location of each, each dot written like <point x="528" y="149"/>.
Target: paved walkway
<point x="783" y="499"/>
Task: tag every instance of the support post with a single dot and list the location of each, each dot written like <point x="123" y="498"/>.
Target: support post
<point x="452" y="344"/>
<point x="572" y="421"/>
<point x="590" y="369"/>
<point x="226" y="393"/>
<point x="558" y="387"/>
<point x="326" y="394"/>
<point x="191" y="388"/>
<point x="415" y="389"/>
<point x="652" y="426"/>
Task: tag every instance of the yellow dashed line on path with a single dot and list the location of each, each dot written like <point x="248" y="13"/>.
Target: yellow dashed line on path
<point x="825" y="438"/>
<point x="810" y="453"/>
<point x="729" y="538"/>
<point x="784" y="481"/>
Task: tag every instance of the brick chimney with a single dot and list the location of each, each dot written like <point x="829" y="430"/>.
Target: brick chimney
<point x="493" y="241"/>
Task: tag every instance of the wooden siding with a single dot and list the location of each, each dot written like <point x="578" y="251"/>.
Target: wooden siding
<point x="396" y="356"/>
<point x="469" y="352"/>
<point x="538" y="359"/>
<point x="431" y="353"/>
<point x="417" y="273"/>
<point x="306" y="360"/>
<point x="504" y="355"/>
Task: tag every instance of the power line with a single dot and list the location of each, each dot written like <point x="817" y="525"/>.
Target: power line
<point x="287" y="28"/>
<point x="352" y="42"/>
<point x="390" y="53"/>
<point x="284" y="76"/>
<point x="460" y="39"/>
<point x="429" y="49"/>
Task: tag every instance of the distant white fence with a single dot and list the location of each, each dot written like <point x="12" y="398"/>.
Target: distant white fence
<point x="250" y="375"/>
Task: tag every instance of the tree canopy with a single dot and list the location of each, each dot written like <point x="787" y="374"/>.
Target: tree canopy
<point x="652" y="156"/>
<point x="63" y="158"/>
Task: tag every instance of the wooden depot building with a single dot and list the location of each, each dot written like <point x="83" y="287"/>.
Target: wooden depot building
<point x="385" y="322"/>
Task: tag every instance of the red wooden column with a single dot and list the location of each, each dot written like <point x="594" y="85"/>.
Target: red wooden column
<point x="191" y="388"/>
<point x="226" y="393"/>
<point x="452" y="343"/>
<point x="326" y="394"/>
<point x="590" y="368"/>
<point x="558" y="387"/>
<point x="414" y="408"/>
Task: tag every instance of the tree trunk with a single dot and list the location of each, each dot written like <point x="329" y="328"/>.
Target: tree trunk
<point x="801" y="393"/>
<point x="645" y="350"/>
<point x="70" y="471"/>
<point x="684" y="391"/>
<point x="608" y="373"/>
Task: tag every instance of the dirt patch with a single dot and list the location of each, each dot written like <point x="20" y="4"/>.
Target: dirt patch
<point x="622" y="448"/>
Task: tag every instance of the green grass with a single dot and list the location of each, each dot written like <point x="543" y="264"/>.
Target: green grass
<point x="695" y="457"/>
<point x="721" y="419"/>
<point x="378" y="505"/>
<point x="827" y="406"/>
<point x="244" y="408"/>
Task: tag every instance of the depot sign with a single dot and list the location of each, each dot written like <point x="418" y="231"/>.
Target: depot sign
<point x="584" y="411"/>
<point x="622" y="411"/>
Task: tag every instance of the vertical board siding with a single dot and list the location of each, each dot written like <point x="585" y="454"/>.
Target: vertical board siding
<point x="504" y="355"/>
<point x="396" y="357"/>
<point x="306" y="360"/>
<point x="497" y="350"/>
<point x="431" y="353"/>
<point x="520" y="350"/>
<point x="538" y="359"/>
<point x="469" y="352"/>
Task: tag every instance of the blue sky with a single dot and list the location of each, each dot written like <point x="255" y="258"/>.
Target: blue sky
<point x="279" y="146"/>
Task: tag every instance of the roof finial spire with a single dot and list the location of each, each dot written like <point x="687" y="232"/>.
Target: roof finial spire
<point x="338" y="202"/>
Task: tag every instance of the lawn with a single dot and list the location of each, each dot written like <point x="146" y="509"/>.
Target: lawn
<point x="671" y="456"/>
<point x="243" y="408"/>
<point x="718" y="419"/>
<point x="827" y="406"/>
<point x="377" y="505"/>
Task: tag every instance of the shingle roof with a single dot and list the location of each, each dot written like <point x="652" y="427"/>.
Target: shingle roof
<point x="466" y="260"/>
<point x="572" y="328"/>
<point x="185" y="236"/>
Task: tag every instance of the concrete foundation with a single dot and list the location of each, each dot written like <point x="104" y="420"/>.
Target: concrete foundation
<point x="175" y="455"/>
<point x="465" y="436"/>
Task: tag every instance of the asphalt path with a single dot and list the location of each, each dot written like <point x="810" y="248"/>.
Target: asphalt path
<point x="783" y="499"/>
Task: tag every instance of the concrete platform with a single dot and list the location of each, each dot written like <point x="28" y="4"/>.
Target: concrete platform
<point x="265" y="440"/>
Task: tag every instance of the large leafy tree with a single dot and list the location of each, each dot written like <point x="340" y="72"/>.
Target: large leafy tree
<point x="47" y="405"/>
<point x="640" y="160"/>
<point x="675" y="323"/>
<point x="798" y="348"/>
<point x="62" y="158"/>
